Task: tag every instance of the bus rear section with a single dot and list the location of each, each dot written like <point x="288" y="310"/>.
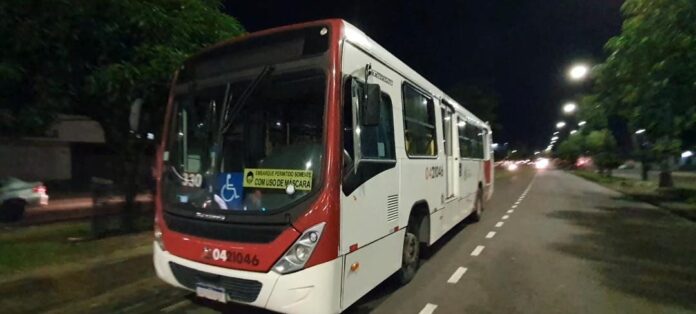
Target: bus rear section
<point x="302" y="166"/>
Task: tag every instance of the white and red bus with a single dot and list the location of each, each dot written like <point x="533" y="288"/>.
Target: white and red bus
<point x="303" y="165"/>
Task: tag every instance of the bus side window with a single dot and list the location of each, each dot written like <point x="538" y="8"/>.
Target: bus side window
<point x="419" y="123"/>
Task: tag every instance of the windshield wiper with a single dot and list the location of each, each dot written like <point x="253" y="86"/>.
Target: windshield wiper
<point x="228" y="113"/>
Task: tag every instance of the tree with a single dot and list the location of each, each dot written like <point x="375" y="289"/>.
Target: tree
<point x="602" y="146"/>
<point x="95" y="58"/>
<point x="649" y="75"/>
<point x="571" y="148"/>
<point x="481" y="101"/>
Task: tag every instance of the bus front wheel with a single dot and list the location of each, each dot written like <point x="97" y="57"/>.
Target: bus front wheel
<point x="411" y="253"/>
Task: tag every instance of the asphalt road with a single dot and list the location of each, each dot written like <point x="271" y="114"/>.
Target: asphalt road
<point x="549" y="242"/>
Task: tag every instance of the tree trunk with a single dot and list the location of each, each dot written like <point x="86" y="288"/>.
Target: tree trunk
<point x="132" y="167"/>
<point x="644" y="169"/>
<point x="665" y="176"/>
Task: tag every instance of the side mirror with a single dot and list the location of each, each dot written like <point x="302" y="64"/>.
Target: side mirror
<point x="134" y="116"/>
<point x="370" y="105"/>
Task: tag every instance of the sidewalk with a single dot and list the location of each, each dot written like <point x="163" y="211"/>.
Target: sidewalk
<point x="76" y="208"/>
<point x="680" y="200"/>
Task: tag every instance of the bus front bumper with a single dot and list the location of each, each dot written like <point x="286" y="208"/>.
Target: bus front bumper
<point x="312" y="290"/>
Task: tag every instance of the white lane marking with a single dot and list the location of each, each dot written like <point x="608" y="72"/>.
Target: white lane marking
<point x="510" y="211"/>
<point x="499" y="224"/>
<point x="517" y="203"/>
<point x="490" y="234"/>
<point x="175" y="306"/>
<point x="477" y="250"/>
<point x="514" y="206"/>
<point x="506" y="217"/>
<point x="457" y="275"/>
<point x="428" y="309"/>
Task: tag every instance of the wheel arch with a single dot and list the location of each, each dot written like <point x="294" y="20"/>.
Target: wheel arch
<point x="420" y="210"/>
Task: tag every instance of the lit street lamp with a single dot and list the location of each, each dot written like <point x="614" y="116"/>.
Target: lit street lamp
<point x="578" y="72"/>
<point x="641" y="131"/>
<point x="573" y="132"/>
<point x="560" y="125"/>
<point x="581" y="123"/>
<point x="570" y="107"/>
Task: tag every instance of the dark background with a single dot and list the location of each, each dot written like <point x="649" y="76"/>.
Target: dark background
<point x="521" y="48"/>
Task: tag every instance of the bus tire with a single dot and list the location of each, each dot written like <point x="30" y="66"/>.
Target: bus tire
<point x="478" y="206"/>
<point x="411" y="253"/>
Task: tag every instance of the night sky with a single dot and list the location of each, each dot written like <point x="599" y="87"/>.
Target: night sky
<point x="521" y="48"/>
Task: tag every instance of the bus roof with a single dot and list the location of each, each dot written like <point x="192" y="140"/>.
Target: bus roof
<point x="356" y="37"/>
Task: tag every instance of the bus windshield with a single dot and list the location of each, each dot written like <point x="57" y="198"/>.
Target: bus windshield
<point x="252" y="145"/>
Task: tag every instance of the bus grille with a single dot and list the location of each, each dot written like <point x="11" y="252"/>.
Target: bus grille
<point x="243" y="290"/>
<point x="392" y="207"/>
<point x="222" y="230"/>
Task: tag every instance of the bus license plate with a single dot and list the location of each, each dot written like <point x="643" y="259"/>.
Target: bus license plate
<point x="211" y="292"/>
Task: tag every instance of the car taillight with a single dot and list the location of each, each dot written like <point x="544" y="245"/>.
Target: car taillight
<point x="39" y="189"/>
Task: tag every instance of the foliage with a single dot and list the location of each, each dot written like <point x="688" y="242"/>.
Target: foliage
<point x="481" y="101"/>
<point x="602" y="146"/>
<point x="572" y="147"/>
<point x="650" y="75"/>
<point x="95" y="57"/>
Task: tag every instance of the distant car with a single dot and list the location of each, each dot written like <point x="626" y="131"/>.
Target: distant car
<point x="16" y="194"/>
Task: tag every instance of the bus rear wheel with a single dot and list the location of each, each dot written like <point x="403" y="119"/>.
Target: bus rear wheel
<point x="411" y="254"/>
<point x="478" y="206"/>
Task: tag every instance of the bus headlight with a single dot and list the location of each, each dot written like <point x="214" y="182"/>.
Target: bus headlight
<point x="158" y="237"/>
<point x="300" y="251"/>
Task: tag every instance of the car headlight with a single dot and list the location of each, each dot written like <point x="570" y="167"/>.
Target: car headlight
<point x="295" y="258"/>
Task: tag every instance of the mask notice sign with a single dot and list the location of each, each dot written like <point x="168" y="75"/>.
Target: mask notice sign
<point x="278" y="178"/>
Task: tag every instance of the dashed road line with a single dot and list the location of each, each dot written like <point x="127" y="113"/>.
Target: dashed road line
<point x="505" y="217"/>
<point x="490" y="234"/>
<point x="457" y="275"/>
<point x="477" y="250"/>
<point x="510" y="211"/>
<point x="428" y="309"/>
<point x="499" y="224"/>
<point x="514" y="206"/>
<point x="175" y="306"/>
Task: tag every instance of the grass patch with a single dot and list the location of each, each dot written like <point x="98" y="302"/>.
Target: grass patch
<point x="27" y="248"/>
<point x="680" y="200"/>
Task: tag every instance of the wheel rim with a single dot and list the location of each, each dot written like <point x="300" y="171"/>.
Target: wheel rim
<point x="410" y="251"/>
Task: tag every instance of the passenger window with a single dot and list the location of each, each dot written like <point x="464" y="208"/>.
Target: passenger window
<point x="470" y="140"/>
<point x="464" y="143"/>
<point x="419" y="123"/>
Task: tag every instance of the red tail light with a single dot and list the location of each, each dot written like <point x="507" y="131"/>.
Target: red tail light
<point x="39" y="189"/>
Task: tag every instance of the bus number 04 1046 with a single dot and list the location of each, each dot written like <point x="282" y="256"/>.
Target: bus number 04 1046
<point x="234" y="257"/>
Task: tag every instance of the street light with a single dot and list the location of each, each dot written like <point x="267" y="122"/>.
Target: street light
<point x="570" y="107"/>
<point x="555" y="138"/>
<point x="560" y="125"/>
<point x="555" y="133"/>
<point x="641" y="131"/>
<point x="578" y="72"/>
<point x="573" y="132"/>
<point x="581" y="123"/>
